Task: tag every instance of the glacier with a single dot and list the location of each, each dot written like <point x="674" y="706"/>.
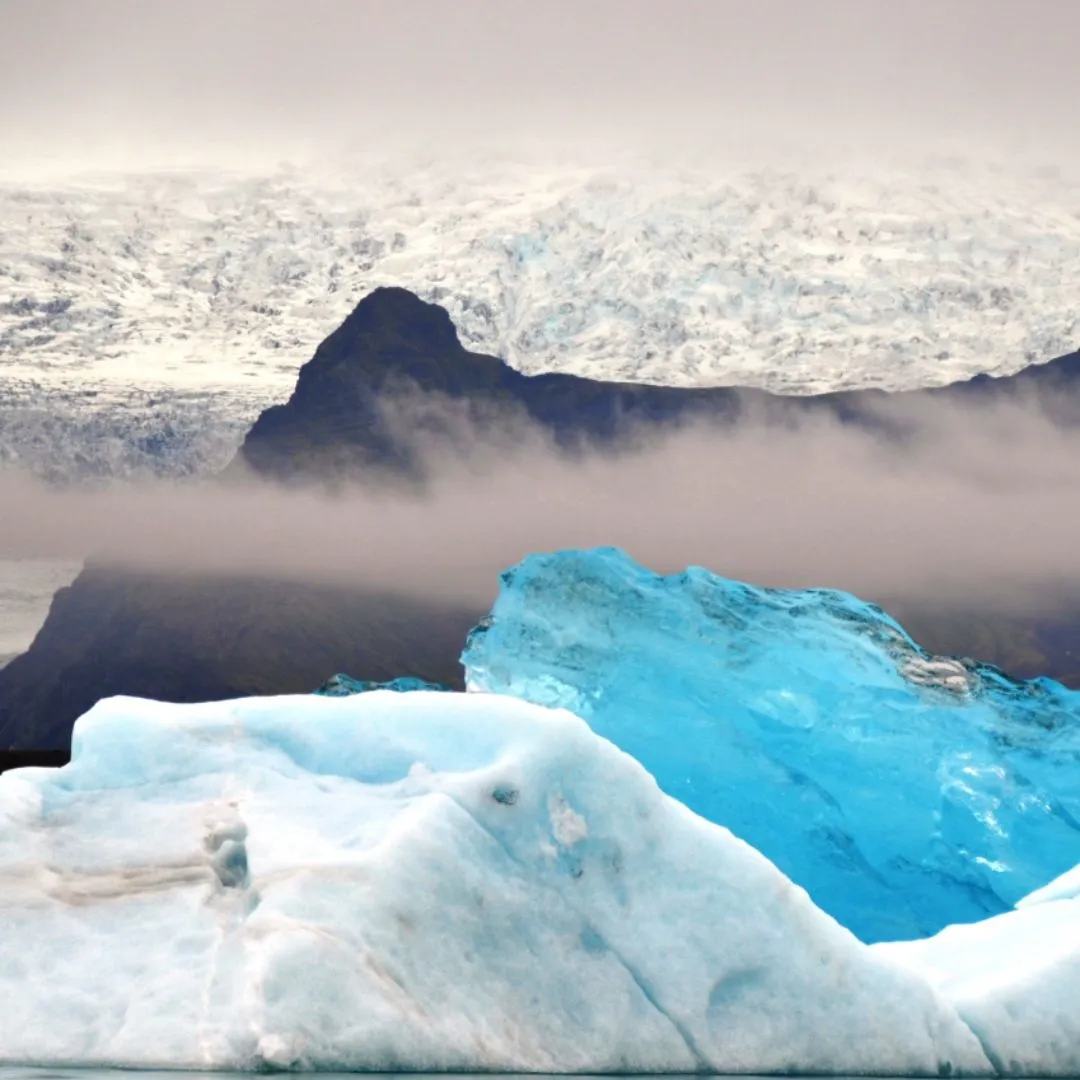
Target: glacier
<point x="904" y="791"/>
<point x="133" y="304"/>
<point x="815" y="276"/>
<point x="419" y="881"/>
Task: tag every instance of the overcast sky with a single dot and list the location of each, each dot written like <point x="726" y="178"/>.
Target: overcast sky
<point x="205" y="73"/>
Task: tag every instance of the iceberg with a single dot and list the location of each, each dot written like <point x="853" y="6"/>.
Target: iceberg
<point x="1014" y="979"/>
<point x="418" y="881"/>
<point x="904" y="791"/>
<point x="341" y="685"/>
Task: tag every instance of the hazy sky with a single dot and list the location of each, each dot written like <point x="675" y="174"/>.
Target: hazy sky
<point x="206" y="73"/>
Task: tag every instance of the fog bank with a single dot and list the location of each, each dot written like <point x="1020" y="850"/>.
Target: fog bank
<point x="975" y="504"/>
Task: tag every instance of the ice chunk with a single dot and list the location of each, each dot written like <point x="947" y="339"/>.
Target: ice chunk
<point x="1065" y="887"/>
<point x="1015" y="979"/>
<point x="416" y="882"/>
<point x="904" y="791"/>
<point x="344" y="685"/>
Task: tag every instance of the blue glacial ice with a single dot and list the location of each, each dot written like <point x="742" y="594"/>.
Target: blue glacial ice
<point x="345" y="685"/>
<point x="904" y="791"/>
<point x="418" y="881"/>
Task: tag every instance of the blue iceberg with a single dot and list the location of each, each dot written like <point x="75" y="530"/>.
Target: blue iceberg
<point x="904" y="791"/>
<point x="341" y="685"/>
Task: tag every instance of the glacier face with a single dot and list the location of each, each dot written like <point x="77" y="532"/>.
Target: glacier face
<point x="109" y="430"/>
<point x="903" y="791"/>
<point x="792" y="279"/>
<point x="417" y="881"/>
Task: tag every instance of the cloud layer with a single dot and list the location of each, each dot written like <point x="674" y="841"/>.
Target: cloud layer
<point x="979" y="505"/>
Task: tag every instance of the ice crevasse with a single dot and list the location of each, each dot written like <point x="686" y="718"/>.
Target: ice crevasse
<point x="419" y="881"/>
<point x="905" y="791"/>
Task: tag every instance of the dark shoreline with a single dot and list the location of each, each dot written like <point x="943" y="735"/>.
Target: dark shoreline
<point x="20" y="759"/>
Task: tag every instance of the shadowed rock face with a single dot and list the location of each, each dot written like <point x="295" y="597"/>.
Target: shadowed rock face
<point x="395" y="345"/>
<point x="183" y="639"/>
<point x="206" y="639"/>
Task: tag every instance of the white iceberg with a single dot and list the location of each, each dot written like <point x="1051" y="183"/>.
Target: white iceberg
<point x="418" y="882"/>
<point x="1014" y="979"/>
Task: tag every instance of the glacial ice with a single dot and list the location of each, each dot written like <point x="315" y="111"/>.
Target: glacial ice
<point x="1014" y="979"/>
<point x="831" y="274"/>
<point x="417" y="881"/>
<point x="345" y="685"/>
<point x="826" y="276"/>
<point x="904" y="791"/>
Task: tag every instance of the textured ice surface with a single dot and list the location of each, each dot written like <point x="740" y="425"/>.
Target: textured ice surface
<point x="345" y="686"/>
<point x="117" y="430"/>
<point x="816" y="278"/>
<point x="904" y="791"/>
<point x="1015" y="979"/>
<point x="416" y="881"/>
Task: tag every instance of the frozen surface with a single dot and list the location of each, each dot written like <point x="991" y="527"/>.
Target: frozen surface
<point x="125" y="298"/>
<point x="345" y="685"/>
<point x="420" y="882"/>
<point x="1065" y="887"/>
<point x="107" y="430"/>
<point x="1015" y="979"/>
<point x="903" y="791"/>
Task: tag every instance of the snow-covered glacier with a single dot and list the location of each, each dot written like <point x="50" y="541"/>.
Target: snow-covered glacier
<point x="904" y="791"/>
<point x="134" y="305"/>
<point x="419" y="881"/>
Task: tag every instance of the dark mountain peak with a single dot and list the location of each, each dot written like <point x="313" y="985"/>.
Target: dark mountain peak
<point x="340" y="419"/>
<point x="393" y="335"/>
<point x="394" y="344"/>
<point x="390" y="314"/>
<point x="337" y="421"/>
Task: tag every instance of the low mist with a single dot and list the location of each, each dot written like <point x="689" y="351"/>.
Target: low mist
<point x="976" y="504"/>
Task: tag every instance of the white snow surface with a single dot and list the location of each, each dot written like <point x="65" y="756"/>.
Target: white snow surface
<point x="1014" y="979"/>
<point x="136" y="297"/>
<point x="421" y="882"/>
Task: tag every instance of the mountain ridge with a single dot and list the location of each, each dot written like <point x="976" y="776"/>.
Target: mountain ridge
<point x="121" y="631"/>
<point x="394" y="343"/>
